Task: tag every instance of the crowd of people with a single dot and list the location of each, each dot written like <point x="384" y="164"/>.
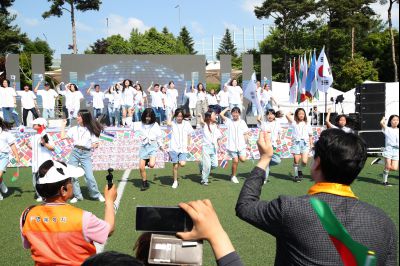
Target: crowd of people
<point x="338" y="157"/>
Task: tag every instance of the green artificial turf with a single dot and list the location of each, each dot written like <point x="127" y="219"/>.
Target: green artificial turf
<point x="254" y="246"/>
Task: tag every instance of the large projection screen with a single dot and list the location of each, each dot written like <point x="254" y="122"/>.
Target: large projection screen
<point x="106" y="70"/>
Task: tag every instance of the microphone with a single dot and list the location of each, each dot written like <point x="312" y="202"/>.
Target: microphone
<point x="109" y="178"/>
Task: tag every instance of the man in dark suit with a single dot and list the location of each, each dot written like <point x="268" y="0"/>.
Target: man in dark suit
<point x="300" y="238"/>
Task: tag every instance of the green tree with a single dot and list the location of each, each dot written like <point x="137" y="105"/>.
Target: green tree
<point x="355" y="71"/>
<point x="392" y="38"/>
<point x="98" y="47"/>
<point x="289" y="16"/>
<point x="118" y="45"/>
<point x="4" y="4"/>
<point x="187" y="40"/>
<point x="227" y="47"/>
<point x="59" y="6"/>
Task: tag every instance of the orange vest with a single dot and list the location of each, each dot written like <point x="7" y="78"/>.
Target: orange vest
<point x="56" y="237"/>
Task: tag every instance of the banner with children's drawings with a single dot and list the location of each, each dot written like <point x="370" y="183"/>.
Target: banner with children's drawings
<point x="119" y="149"/>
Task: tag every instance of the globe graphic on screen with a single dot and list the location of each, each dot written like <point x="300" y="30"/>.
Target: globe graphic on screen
<point x="144" y="72"/>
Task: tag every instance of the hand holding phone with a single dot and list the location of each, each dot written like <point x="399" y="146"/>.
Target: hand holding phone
<point x="162" y="219"/>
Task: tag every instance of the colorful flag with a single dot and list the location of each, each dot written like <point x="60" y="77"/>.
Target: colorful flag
<point x="293" y="83"/>
<point x="302" y="78"/>
<point x="311" y="78"/>
<point x="107" y="136"/>
<point x="351" y="252"/>
<point x="324" y="73"/>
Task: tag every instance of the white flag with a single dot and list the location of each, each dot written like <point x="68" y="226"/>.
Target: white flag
<point x="250" y="93"/>
<point x="324" y="73"/>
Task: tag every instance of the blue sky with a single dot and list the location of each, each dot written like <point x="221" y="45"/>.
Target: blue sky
<point x="203" y="18"/>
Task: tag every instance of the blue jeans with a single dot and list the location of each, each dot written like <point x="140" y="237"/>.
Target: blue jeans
<point x="160" y="112"/>
<point x="48" y="113"/>
<point x="82" y="158"/>
<point x="275" y="160"/>
<point x="209" y="161"/>
<point x="9" y="112"/>
<point x="97" y="112"/>
<point x="138" y="114"/>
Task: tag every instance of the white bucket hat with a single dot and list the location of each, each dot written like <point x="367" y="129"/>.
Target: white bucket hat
<point x="59" y="172"/>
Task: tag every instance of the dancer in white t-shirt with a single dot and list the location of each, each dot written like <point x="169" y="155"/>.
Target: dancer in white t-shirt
<point x="302" y="141"/>
<point x="238" y="139"/>
<point x="98" y="99"/>
<point x="29" y="104"/>
<point x="391" y="152"/>
<point x="235" y="93"/>
<point x="181" y="132"/>
<point x="49" y="97"/>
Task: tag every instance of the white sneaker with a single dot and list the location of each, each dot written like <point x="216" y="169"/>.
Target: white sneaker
<point x="73" y="200"/>
<point x="175" y="184"/>
<point x="39" y="199"/>
<point x="375" y="161"/>
<point x="234" y="180"/>
<point x="101" y="198"/>
<point x="3" y="188"/>
<point x="1" y="197"/>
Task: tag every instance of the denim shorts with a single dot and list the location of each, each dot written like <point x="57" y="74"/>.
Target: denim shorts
<point x="4" y="159"/>
<point x="234" y="154"/>
<point x="147" y="151"/>
<point x="127" y="106"/>
<point x="391" y="153"/>
<point x="300" y="147"/>
<point x="177" y="156"/>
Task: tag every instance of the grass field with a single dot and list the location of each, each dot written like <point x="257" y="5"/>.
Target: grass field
<point x="254" y="246"/>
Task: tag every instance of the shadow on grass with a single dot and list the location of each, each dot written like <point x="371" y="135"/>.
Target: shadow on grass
<point x="368" y="180"/>
<point x="15" y="192"/>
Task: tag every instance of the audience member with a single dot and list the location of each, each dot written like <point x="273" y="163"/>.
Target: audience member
<point x="300" y="238"/>
<point x="112" y="258"/>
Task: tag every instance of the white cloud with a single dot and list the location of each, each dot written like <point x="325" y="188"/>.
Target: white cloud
<point x="197" y="28"/>
<point x="123" y="26"/>
<point x="231" y="26"/>
<point x="381" y="10"/>
<point x="83" y="27"/>
<point x="248" y="5"/>
<point x="31" y="22"/>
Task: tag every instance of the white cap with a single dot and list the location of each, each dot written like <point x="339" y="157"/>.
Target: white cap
<point x="40" y="121"/>
<point x="59" y="172"/>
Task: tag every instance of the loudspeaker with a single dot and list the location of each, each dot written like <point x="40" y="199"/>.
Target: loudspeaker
<point x="370" y="121"/>
<point x="373" y="139"/>
<point x="370" y="98"/>
<point x="371" y="88"/>
<point x="353" y="121"/>
<point x="322" y="116"/>
<point x="372" y="107"/>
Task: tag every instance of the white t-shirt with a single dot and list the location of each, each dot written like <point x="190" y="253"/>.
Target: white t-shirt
<point x="345" y="129"/>
<point x="40" y="154"/>
<point x="98" y="99"/>
<point x="128" y="95"/>
<point x="201" y="96"/>
<point x="82" y="137"/>
<point x="223" y="97"/>
<point x="118" y="101"/>
<point x="6" y="140"/>
<point x="192" y="96"/>
<point x="212" y="99"/>
<point x="265" y="97"/>
<point x="7" y="97"/>
<point x="301" y="131"/>
<point x="72" y="99"/>
<point x="149" y="134"/>
<point x="235" y="93"/>
<point x="171" y="98"/>
<point x="235" y="132"/>
<point x="179" y="136"/>
<point x="27" y="99"/>
<point x="274" y="127"/>
<point x="48" y="98"/>
<point x="139" y="98"/>
<point x="210" y="137"/>
<point x="156" y="99"/>
<point x="391" y="136"/>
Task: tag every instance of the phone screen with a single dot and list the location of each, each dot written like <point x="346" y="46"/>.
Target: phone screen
<point x="162" y="219"/>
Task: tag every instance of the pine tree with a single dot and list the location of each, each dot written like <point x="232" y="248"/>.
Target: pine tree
<point x="227" y="46"/>
<point x="187" y="40"/>
<point x="165" y="31"/>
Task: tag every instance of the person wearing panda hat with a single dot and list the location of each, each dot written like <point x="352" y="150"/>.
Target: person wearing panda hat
<point x="58" y="233"/>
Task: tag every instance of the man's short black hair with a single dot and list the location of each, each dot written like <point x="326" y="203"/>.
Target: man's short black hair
<point x="111" y="258"/>
<point x="342" y="155"/>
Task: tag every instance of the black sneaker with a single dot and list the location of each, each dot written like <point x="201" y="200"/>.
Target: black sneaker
<point x="145" y="185"/>
<point x="296" y="179"/>
<point x="301" y="176"/>
<point x="146" y="162"/>
<point x="387" y="184"/>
